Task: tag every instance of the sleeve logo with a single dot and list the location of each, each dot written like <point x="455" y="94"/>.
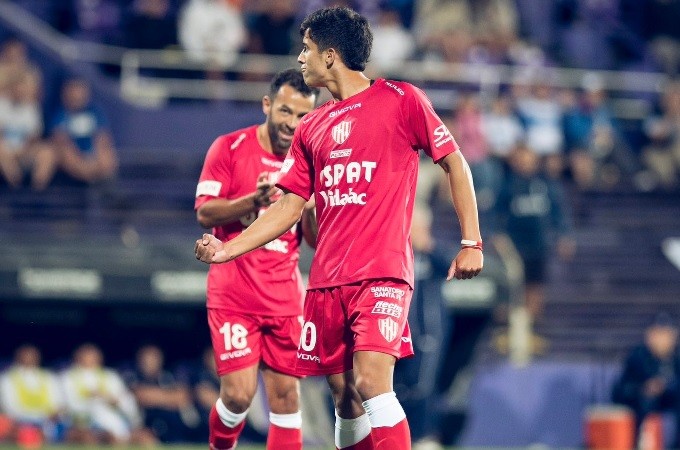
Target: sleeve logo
<point x="442" y="135"/>
<point x="287" y="164"/>
<point x="208" y="187"/>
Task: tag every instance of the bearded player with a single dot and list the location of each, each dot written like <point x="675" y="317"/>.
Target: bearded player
<point x="358" y="156"/>
<point x="255" y="303"/>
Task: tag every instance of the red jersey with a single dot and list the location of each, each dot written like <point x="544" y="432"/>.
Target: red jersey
<point x="266" y="281"/>
<point x="359" y="158"/>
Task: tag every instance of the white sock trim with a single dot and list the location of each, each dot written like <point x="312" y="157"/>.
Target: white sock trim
<point x="228" y="418"/>
<point x="351" y="431"/>
<point x="293" y="420"/>
<point x="384" y="410"/>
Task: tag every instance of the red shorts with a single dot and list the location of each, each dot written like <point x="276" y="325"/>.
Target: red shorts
<point x="242" y="340"/>
<point x="369" y="315"/>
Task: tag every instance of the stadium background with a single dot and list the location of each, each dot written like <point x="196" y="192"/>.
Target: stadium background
<point x="114" y="265"/>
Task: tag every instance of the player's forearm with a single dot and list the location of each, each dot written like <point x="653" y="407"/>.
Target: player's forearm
<point x="221" y="211"/>
<point x="310" y="228"/>
<point x="279" y="218"/>
<point x="463" y="195"/>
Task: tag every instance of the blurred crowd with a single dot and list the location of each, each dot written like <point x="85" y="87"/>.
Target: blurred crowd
<point x="577" y="131"/>
<point x="603" y="34"/>
<point x="70" y="140"/>
<point x="84" y="401"/>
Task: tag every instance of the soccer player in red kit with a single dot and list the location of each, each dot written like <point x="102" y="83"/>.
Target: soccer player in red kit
<point x="357" y="155"/>
<point x="255" y="304"/>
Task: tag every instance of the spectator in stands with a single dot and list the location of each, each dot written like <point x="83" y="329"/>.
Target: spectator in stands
<point x="95" y="21"/>
<point x="22" y="148"/>
<point x="650" y="379"/>
<point x="81" y="136"/>
<point x="502" y="128"/>
<point x="272" y="27"/>
<point x="467" y="126"/>
<point x="150" y="24"/>
<point x="101" y="407"/>
<point x="205" y="385"/>
<point x="530" y="208"/>
<point x="212" y="31"/>
<point x="31" y="396"/>
<point x="14" y="61"/>
<point x="662" y="154"/>
<point x="599" y="156"/>
<point x="165" y="402"/>
<point x="541" y="113"/>
<point x="392" y="43"/>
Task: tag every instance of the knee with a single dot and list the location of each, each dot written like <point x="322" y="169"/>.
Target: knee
<point x="286" y="399"/>
<point x="236" y="400"/>
<point x="371" y="382"/>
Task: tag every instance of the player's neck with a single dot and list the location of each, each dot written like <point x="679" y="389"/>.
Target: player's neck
<point x="348" y="83"/>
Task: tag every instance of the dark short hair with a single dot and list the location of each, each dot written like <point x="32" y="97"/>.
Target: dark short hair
<point x="292" y="78"/>
<point x="342" y="29"/>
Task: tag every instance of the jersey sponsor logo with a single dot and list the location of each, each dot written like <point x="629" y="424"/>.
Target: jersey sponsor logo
<point x="287" y="164"/>
<point x="390" y="309"/>
<point x="395" y="87"/>
<point x="238" y="141"/>
<point x="271" y="163"/>
<point x="308" y="357"/>
<point x="442" y="135"/>
<point x="333" y="174"/>
<point x="341" y="131"/>
<point x="344" y="110"/>
<point x="387" y="291"/>
<point x="333" y="197"/>
<point x="388" y="328"/>
<point x="342" y="153"/>
<point x="208" y="187"/>
<point x="236" y="354"/>
<point x="350" y="173"/>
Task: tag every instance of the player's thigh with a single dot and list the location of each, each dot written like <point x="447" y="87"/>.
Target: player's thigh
<point x="237" y="388"/>
<point x="236" y="340"/>
<point x="373" y="373"/>
<point x="280" y="340"/>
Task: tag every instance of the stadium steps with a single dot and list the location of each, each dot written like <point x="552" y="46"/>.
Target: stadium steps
<point x="598" y="304"/>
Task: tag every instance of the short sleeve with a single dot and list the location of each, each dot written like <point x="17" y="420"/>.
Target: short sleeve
<point x="216" y="173"/>
<point x="297" y="172"/>
<point x="425" y="128"/>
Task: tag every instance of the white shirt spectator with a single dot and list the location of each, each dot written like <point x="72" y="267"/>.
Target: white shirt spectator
<point x="99" y="398"/>
<point x="30" y="394"/>
<point x="392" y="43"/>
<point x="211" y="31"/>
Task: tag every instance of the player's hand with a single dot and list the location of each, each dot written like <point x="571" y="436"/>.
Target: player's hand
<point x="265" y="191"/>
<point x="468" y="263"/>
<point x="210" y="250"/>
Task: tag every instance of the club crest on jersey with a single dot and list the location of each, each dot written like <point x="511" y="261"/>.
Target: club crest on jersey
<point x="388" y="328"/>
<point x="341" y="131"/>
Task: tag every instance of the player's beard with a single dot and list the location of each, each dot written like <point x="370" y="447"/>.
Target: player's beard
<point x="279" y="146"/>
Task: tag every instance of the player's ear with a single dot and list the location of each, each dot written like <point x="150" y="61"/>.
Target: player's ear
<point x="266" y="105"/>
<point x="330" y="55"/>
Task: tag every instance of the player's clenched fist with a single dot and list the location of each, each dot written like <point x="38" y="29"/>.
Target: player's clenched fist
<point x="210" y="250"/>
